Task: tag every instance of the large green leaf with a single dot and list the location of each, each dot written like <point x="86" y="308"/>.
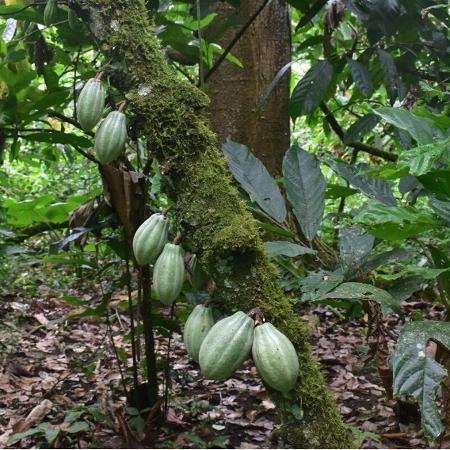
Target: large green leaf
<point x="305" y="188"/>
<point x="354" y="246"/>
<point x="252" y="175"/>
<point x="423" y="130"/>
<point x="361" y="77"/>
<point x="423" y="159"/>
<point x="286" y="248"/>
<point x="360" y="128"/>
<point x="311" y="89"/>
<point x="390" y="74"/>
<point x="362" y="291"/>
<point x="317" y="284"/>
<point x="437" y="182"/>
<point x="418" y="375"/>
<point x="396" y="223"/>
<point x="57" y="137"/>
<point x="441" y="208"/>
<point x="375" y="188"/>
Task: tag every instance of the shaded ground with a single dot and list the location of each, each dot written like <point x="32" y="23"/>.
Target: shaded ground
<point x="63" y="364"/>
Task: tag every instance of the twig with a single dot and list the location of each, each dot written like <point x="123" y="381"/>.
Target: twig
<point x="132" y="336"/>
<point x="74" y="84"/>
<point x="166" y="369"/>
<point x="356" y="145"/>
<point x="233" y="42"/>
<point x="53" y="113"/>
<point x="116" y="353"/>
<point x="201" y="68"/>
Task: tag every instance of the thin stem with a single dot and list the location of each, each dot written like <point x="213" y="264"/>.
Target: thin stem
<point x="233" y="42"/>
<point x="329" y="117"/>
<point x="150" y="356"/>
<point x="132" y="326"/>
<point x="201" y="67"/>
<point x="166" y="369"/>
<point x="74" y="84"/>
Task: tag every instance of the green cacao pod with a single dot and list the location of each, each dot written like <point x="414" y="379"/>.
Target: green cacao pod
<point x="226" y="346"/>
<point x="110" y="137"/>
<point x="168" y="274"/>
<point x="275" y="358"/>
<point x="90" y="104"/>
<point x="196" y="328"/>
<point x="50" y="12"/>
<point x="150" y="238"/>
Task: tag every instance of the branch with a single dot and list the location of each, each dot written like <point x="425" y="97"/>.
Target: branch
<point x="356" y="145"/>
<point x="64" y="118"/>
<point x="233" y="42"/>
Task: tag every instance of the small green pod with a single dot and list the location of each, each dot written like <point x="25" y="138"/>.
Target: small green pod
<point x="50" y="12"/>
<point x="168" y="274"/>
<point x="275" y="358"/>
<point x="150" y="238"/>
<point x="90" y="104"/>
<point x="110" y="137"/>
<point x="226" y="346"/>
<point x="197" y="326"/>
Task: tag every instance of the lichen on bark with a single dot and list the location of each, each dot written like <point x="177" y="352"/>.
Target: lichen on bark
<point x="170" y="114"/>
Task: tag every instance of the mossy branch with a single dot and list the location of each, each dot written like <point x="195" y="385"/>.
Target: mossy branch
<point x="215" y="222"/>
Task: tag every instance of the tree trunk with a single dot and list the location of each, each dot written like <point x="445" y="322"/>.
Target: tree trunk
<point x="263" y="49"/>
<point x="169" y="112"/>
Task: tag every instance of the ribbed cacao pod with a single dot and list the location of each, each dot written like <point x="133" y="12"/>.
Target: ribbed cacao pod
<point x="150" y="238"/>
<point x="275" y="358"/>
<point x="196" y="328"/>
<point x="168" y="274"/>
<point x="226" y="346"/>
<point x="90" y="104"/>
<point x="110" y="137"/>
<point x="50" y="12"/>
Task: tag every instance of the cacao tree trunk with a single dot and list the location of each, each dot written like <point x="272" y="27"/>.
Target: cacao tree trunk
<point x="263" y="49"/>
<point x="170" y="113"/>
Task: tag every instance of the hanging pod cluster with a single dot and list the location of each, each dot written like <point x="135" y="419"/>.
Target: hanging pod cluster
<point x="111" y="135"/>
<point x="150" y="245"/>
<point x="222" y="348"/>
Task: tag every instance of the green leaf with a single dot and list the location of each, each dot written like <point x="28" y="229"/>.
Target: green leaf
<point x="385" y="258"/>
<point x="441" y="208"/>
<point x="396" y="223"/>
<point x="275" y="229"/>
<point x="390" y="74"/>
<point x="437" y="182"/>
<point x="403" y="288"/>
<point x="354" y="247"/>
<point x="335" y="191"/>
<point x="15" y="438"/>
<point x="418" y="375"/>
<point x="423" y="130"/>
<point x="305" y="187"/>
<point x="254" y="178"/>
<point x="286" y="248"/>
<point x="78" y="427"/>
<point x="317" y="284"/>
<point x="311" y="89"/>
<point x="375" y="188"/>
<point x="310" y="12"/>
<point x="58" y="137"/>
<point x="362" y="291"/>
<point x="423" y="159"/>
<point x="360" y="128"/>
<point x="361" y="77"/>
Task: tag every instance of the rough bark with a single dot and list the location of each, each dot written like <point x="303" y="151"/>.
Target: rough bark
<point x="170" y="114"/>
<point x="234" y="92"/>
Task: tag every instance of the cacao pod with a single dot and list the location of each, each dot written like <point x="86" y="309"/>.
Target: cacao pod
<point x="150" y="238"/>
<point x="196" y="328"/>
<point x="90" y="104"/>
<point x="110" y="137"/>
<point x="226" y="346"/>
<point x="275" y="358"/>
<point x="168" y="274"/>
<point x="50" y="12"/>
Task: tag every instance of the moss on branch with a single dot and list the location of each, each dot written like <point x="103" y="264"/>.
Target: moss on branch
<point x="171" y="114"/>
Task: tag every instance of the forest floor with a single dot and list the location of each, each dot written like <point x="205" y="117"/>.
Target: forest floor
<point x="66" y="368"/>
